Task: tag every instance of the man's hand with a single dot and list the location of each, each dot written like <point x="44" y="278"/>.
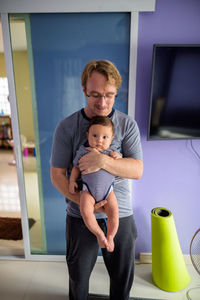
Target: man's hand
<point x="99" y="207"/>
<point x="91" y="162"/>
<point x="124" y="167"/>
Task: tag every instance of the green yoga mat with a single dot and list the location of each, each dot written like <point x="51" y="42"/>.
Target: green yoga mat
<point x="168" y="267"/>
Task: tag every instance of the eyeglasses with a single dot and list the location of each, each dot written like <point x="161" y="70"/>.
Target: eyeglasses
<point x="96" y="95"/>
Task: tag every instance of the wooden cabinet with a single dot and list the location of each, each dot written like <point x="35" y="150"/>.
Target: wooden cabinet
<point x="5" y="131"/>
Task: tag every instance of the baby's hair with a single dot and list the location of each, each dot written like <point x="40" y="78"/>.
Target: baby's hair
<point x="100" y="120"/>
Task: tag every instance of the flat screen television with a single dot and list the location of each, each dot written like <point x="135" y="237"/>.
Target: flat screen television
<point x="175" y="92"/>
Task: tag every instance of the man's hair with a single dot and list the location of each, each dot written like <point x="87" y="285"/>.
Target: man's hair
<point x="103" y="67"/>
<point x="100" y="120"/>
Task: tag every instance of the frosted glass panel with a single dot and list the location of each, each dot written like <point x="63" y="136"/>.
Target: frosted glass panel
<point x="62" y="45"/>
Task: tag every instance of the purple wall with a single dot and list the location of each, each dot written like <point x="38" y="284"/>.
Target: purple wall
<point x="171" y="176"/>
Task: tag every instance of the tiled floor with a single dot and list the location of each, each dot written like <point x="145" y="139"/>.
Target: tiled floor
<point x="10" y="204"/>
<point x="9" y="200"/>
<point x="9" y="193"/>
<point x="28" y="280"/>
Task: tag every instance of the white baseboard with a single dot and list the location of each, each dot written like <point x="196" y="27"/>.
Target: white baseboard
<point x="146" y="258"/>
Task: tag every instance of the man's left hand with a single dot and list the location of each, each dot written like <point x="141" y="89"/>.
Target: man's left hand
<point x="91" y="162"/>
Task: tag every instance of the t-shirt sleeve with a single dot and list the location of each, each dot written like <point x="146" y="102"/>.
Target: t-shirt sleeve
<point x="76" y="158"/>
<point x="131" y="145"/>
<point x="61" y="155"/>
<point x="79" y="153"/>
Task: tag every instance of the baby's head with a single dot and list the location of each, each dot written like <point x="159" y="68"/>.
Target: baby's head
<point x="100" y="132"/>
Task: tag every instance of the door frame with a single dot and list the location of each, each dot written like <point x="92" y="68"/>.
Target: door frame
<point x="62" y="6"/>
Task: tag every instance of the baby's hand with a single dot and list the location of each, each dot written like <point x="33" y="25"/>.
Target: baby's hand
<point x="73" y="187"/>
<point x="115" y="155"/>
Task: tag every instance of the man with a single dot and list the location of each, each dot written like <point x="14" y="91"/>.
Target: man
<point x="100" y="81"/>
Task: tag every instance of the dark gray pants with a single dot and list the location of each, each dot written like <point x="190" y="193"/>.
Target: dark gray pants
<point x="82" y="252"/>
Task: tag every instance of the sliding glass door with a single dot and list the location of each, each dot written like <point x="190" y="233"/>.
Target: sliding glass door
<point x="48" y="62"/>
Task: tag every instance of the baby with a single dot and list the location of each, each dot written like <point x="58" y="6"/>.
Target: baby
<point x="98" y="186"/>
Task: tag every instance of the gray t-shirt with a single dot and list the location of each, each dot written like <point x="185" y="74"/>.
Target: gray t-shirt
<point x="70" y="134"/>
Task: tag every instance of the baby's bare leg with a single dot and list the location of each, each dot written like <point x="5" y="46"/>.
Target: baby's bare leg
<point x="111" y="210"/>
<point x="87" y="203"/>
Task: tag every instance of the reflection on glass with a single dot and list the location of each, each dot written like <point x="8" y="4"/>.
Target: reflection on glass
<point x="27" y="114"/>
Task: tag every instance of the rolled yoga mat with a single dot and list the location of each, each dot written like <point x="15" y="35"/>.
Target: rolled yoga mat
<point x="168" y="266"/>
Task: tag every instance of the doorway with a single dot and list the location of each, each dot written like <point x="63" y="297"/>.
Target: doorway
<point x="11" y="242"/>
<point x="28" y="154"/>
<point x="47" y="88"/>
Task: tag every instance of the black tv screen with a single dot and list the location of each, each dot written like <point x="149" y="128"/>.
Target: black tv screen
<point x="175" y="92"/>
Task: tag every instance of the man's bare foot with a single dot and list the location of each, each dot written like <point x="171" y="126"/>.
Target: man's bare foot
<point x="111" y="244"/>
<point x="102" y="241"/>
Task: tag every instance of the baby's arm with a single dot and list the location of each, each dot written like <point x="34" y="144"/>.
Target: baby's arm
<point x="72" y="180"/>
<point x="115" y="155"/>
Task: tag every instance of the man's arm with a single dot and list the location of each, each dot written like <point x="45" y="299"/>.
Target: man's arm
<point x="61" y="183"/>
<point x="123" y="167"/>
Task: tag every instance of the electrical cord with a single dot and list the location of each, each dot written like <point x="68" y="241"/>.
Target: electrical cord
<point x="197" y="288"/>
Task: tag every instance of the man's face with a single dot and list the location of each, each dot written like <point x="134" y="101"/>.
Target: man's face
<point x="101" y="95"/>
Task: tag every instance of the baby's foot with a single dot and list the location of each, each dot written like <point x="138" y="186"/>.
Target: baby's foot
<point x="102" y="241"/>
<point x="111" y="244"/>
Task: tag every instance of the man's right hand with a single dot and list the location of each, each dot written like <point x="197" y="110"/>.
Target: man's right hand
<point x="99" y="207"/>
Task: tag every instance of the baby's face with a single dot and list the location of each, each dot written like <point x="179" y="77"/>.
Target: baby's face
<point x="100" y="137"/>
